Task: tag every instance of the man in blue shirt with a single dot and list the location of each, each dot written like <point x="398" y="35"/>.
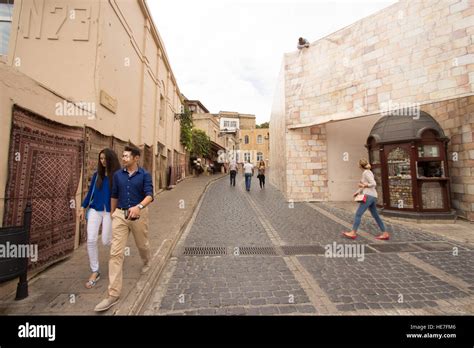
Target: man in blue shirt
<point x="132" y="191"/>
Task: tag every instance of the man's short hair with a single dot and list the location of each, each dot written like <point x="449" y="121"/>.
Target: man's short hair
<point x="133" y="149"/>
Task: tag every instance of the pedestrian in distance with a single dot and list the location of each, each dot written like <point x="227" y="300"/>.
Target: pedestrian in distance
<point x="233" y="172"/>
<point x="96" y="210"/>
<point x="248" y="172"/>
<point x="132" y="192"/>
<point x="366" y="196"/>
<point x="261" y="174"/>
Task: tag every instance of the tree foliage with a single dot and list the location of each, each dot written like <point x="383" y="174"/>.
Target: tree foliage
<point x="201" y="143"/>
<point x="264" y="125"/>
<point x="186" y="120"/>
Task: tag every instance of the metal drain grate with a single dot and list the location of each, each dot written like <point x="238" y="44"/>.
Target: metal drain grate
<point x="435" y="246"/>
<point x="303" y="250"/>
<point x="255" y="251"/>
<point x="395" y="248"/>
<point x="205" y="251"/>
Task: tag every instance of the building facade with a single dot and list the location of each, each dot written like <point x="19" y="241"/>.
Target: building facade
<point x="240" y="126"/>
<point x="78" y="77"/>
<point x="412" y="55"/>
<point x="231" y="132"/>
<point x="255" y="145"/>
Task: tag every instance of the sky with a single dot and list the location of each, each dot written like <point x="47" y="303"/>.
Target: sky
<point x="228" y="53"/>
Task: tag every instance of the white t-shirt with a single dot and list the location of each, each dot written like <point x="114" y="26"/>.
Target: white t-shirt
<point x="248" y="168"/>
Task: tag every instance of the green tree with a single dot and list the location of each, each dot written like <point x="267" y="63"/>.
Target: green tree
<point x="264" y="125"/>
<point x="186" y="121"/>
<point x="201" y="143"/>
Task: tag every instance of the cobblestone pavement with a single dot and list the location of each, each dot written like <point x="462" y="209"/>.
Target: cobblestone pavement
<point x="461" y="267"/>
<point x="226" y="219"/>
<point x="380" y="281"/>
<point x="398" y="232"/>
<point x="253" y="253"/>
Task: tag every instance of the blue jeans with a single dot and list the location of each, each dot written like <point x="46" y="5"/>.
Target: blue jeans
<point x="248" y="180"/>
<point x="371" y="204"/>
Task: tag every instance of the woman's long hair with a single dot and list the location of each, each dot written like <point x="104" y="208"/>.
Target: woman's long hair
<point x="112" y="164"/>
<point x="262" y="163"/>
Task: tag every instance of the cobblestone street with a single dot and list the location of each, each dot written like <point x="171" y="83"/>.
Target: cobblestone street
<point x="253" y="253"/>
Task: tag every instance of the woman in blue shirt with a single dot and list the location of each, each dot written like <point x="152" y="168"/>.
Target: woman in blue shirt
<point x="98" y="200"/>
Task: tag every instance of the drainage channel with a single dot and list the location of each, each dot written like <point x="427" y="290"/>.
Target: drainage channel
<point x="290" y="250"/>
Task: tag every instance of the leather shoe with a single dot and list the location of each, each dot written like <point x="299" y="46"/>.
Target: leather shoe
<point x="106" y="303"/>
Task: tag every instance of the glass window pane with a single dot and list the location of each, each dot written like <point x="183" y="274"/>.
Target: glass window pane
<point x="428" y="151"/>
<point x="399" y="178"/>
<point x="430" y="169"/>
<point x="5" y="28"/>
<point x="432" y="195"/>
<point x="6" y="10"/>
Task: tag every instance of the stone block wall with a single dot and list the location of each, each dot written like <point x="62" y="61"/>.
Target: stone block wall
<point x="456" y="117"/>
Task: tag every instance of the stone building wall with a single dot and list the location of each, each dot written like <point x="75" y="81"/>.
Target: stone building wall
<point x="410" y="53"/>
<point x="456" y="117"/>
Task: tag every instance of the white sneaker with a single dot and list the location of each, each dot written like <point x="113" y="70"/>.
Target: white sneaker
<point x="106" y="303"/>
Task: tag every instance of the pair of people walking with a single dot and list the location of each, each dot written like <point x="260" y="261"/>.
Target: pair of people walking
<point x="368" y="201"/>
<point x="248" y="173"/>
<point x="125" y="204"/>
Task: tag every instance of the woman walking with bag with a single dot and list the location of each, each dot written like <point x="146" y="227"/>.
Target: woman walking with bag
<point x="367" y="198"/>
<point x="261" y="174"/>
<point x="96" y="210"/>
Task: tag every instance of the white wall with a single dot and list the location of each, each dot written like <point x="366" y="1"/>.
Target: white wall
<point x="349" y="137"/>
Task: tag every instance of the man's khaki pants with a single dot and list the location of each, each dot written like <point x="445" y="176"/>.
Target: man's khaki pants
<point x="120" y="231"/>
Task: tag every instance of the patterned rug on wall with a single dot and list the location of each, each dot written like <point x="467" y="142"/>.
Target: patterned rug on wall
<point x="44" y="167"/>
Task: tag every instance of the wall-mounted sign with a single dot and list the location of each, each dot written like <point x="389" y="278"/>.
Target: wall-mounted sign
<point x="108" y="102"/>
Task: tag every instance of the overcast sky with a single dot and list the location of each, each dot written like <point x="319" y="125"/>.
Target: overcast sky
<point x="228" y="53"/>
